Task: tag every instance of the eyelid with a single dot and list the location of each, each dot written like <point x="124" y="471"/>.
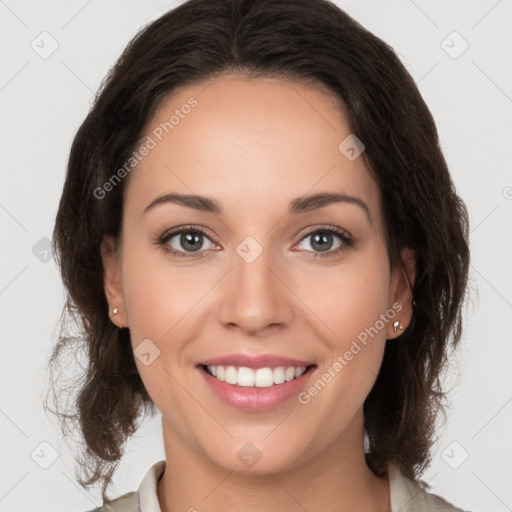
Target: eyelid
<point x="163" y="239"/>
<point x="326" y="227"/>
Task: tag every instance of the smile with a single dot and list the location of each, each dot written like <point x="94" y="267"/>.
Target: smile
<point x="256" y="389"/>
<point x="260" y="378"/>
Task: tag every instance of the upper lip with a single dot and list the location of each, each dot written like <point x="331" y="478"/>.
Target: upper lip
<point x="259" y="361"/>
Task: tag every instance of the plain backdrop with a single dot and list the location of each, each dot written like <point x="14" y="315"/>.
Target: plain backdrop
<point x="43" y="100"/>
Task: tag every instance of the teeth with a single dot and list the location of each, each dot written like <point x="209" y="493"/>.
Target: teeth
<point x="260" y="378"/>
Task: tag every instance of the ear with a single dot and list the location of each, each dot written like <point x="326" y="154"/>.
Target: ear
<point x="400" y="293"/>
<point x="112" y="281"/>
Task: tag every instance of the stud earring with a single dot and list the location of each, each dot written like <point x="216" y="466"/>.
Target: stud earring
<point x="397" y="325"/>
<point x="114" y="312"/>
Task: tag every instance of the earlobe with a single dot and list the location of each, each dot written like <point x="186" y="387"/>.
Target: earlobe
<point x="403" y="278"/>
<point x="112" y="281"/>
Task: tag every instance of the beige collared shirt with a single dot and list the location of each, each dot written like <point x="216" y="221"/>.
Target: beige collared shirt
<point x="406" y="495"/>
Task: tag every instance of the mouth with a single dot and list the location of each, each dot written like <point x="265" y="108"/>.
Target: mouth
<point x="255" y="389"/>
<point x="255" y="377"/>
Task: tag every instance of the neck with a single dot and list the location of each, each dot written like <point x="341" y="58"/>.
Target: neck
<point x="336" y="479"/>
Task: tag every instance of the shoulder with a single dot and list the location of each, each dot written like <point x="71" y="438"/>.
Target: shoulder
<point x="410" y="496"/>
<point x="145" y="497"/>
<point x="128" y="502"/>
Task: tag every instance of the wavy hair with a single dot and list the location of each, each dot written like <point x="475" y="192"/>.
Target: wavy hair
<point x="309" y="41"/>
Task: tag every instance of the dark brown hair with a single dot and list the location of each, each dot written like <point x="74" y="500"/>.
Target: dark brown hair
<point x="307" y="41"/>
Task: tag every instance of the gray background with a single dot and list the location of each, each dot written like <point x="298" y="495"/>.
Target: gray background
<point x="44" y="100"/>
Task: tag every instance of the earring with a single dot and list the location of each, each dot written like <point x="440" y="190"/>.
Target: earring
<point x="397" y="325"/>
<point x="114" y="312"/>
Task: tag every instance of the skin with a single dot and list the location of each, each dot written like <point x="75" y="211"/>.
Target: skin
<point x="254" y="145"/>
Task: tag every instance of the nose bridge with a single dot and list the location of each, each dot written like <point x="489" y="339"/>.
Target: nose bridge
<point x="255" y="296"/>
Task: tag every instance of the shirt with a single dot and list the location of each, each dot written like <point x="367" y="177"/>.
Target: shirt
<point x="406" y="495"/>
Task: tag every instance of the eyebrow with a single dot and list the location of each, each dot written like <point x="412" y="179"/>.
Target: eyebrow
<point x="299" y="205"/>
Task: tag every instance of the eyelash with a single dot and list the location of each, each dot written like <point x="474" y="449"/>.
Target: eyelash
<point x="163" y="239"/>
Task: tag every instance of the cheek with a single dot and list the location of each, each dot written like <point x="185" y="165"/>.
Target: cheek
<point x="150" y="290"/>
<point x="352" y="303"/>
<point x="157" y="298"/>
<point x="161" y="298"/>
<point x="349" y="298"/>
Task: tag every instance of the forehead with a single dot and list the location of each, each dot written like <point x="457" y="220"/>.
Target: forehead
<point x="250" y="142"/>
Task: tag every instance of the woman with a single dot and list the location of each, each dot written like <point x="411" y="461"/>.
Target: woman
<point x="260" y="236"/>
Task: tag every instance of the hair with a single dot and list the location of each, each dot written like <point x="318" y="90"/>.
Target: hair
<point x="308" y="41"/>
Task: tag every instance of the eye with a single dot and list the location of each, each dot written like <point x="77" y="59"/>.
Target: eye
<point x="188" y="241"/>
<point x="184" y="242"/>
<point x="322" y="241"/>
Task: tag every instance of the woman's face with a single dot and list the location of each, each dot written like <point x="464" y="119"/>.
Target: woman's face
<point x="266" y="278"/>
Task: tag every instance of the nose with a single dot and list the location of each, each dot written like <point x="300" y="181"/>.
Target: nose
<point x="255" y="295"/>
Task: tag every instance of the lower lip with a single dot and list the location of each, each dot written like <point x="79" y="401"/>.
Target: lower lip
<point x="251" y="398"/>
